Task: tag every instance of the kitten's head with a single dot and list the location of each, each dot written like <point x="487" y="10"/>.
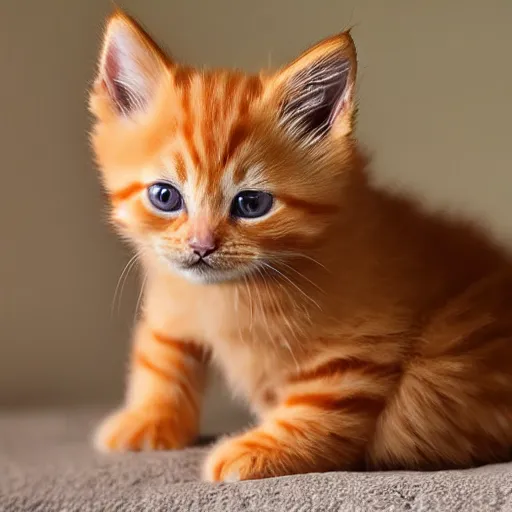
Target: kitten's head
<point x="219" y="173"/>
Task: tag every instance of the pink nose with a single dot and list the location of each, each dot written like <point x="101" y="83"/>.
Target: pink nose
<point x="203" y="246"/>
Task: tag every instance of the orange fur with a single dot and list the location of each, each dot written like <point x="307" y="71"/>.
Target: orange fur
<point x="364" y="331"/>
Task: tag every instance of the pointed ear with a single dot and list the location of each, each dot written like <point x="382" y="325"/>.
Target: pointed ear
<point x="316" y="91"/>
<point x="131" y="66"/>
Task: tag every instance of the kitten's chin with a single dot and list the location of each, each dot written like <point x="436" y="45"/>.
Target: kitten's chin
<point x="205" y="275"/>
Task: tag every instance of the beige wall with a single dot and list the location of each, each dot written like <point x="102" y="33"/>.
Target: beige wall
<point x="435" y="86"/>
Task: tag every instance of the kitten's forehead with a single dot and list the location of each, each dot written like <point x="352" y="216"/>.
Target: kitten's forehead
<point x="214" y="109"/>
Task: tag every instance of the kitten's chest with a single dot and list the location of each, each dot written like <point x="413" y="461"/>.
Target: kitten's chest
<point x="255" y="348"/>
<point x="254" y="340"/>
<point x="252" y="372"/>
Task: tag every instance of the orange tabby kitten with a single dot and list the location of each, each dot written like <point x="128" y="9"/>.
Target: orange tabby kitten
<point x="364" y="332"/>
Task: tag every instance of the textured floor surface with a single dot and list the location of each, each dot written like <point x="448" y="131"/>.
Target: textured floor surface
<point x="47" y="465"/>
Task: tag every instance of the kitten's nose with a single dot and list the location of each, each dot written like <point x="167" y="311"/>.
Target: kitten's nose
<point x="203" y="246"/>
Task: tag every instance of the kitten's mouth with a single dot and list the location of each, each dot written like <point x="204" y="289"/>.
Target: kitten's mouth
<point x="200" y="263"/>
<point x="208" y="271"/>
<point x="205" y="272"/>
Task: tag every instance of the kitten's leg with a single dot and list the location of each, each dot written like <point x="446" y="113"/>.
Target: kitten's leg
<point x="162" y="404"/>
<point x="323" y="423"/>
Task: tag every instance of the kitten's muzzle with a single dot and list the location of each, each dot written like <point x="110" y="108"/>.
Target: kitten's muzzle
<point x="203" y="243"/>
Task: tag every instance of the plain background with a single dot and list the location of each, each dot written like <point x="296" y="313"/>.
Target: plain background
<point x="435" y="91"/>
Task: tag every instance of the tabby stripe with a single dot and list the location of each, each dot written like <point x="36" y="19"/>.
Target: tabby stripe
<point x="125" y="193"/>
<point x="259" y="440"/>
<point x="180" y="167"/>
<point x="183" y="77"/>
<point x="264" y="439"/>
<point x="238" y="134"/>
<point x="210" y="107"/>
<point x="143" y="361"/>
<point x="178" y="366"/>
<point x="151" y="220"/>
<point x="233" y="82"/>
<point x="253" y="88"/>
<point x="186" y="347"/>
<point x="217" y="470"/>
<point x="256" y="445"/>
<point x="339" y="365"/>
<point x="188" y="125"/>
<point x="240" y="130"/>
<point x="308" y="206"/>
<point x="189" y="396"/>
<point x="353" y="404"/>
<point x="289" y="427"/>
<point x="183" y="387"/>
<point x="178" y="221"/>
<point x="188" y="132"/>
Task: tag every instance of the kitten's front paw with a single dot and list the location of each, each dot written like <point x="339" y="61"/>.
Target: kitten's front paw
<point x="143" y="428"/>
<point x="251" y="456"/>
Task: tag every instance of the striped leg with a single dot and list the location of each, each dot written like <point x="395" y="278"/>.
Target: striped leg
<point x="163" y="398"/>
<point x="324" y="422"/>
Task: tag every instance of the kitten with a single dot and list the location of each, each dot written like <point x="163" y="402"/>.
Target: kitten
<point x="363" y="331"/>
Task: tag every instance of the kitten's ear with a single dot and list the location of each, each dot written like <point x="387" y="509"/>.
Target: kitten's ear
<point x="316" y="91"/>
<point x="131" y="67"/>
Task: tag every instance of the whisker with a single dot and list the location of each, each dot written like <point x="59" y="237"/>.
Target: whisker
<point x="237" y="312"/>
<point x="118" y="293"/>
<point x="298" y="288"/>
<point x="263" y="311"/>
<point x="299" y="273"/>
<point x="243" y="256"/>
<point x="291" y="298"/>
<point x="141" y="292"/>
<point x="284" y="318"/>
<point x="299" y="255"/>
<point x="250" y="301"/>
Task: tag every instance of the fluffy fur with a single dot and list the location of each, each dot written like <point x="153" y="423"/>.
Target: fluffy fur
<point x="363" y="331"/>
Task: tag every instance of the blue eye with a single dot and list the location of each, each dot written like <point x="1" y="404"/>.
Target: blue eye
<point x="251" y="204"/>
<point x="165" y="197"/>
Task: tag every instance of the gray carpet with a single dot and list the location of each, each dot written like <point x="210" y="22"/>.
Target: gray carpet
<point x="46" y="465"/>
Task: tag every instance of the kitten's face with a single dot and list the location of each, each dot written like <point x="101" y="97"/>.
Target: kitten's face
<point x="221" y="174"/>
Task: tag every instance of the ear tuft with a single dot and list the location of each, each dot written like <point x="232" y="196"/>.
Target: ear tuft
<point x="131" y="65"/>
<point x="318" y="90"/>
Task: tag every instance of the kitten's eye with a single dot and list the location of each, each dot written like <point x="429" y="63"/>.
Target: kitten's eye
<point x="250" y="204"/>
<point x="165" y="197"/>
